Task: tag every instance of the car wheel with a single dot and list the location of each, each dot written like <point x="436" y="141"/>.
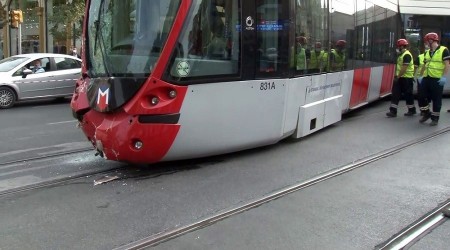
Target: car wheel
<point x="7" y="97"/>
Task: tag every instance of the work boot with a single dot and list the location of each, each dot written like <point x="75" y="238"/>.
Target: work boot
<point x="411" y="112"/>
<point x="425" y="117"/>
<point x="391" y="114"/>
<point x="433" y="123"/>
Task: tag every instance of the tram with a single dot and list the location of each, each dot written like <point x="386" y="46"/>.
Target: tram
<point x="166" y="80"/>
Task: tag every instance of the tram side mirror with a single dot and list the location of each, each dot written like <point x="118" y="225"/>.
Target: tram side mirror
<point x="26" y="72"/>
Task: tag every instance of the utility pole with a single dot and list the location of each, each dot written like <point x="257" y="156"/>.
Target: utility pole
<point x="19" y="39"/>
<point x="16" y="17"/>
<point x="42" y="40"/>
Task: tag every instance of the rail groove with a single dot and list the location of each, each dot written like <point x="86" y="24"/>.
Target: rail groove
<point x="408" y="236"/>
<point x="41" y="157"/>
<point x="176" y="232"/>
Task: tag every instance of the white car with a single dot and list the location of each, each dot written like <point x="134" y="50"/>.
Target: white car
<point x="18" y="82"/>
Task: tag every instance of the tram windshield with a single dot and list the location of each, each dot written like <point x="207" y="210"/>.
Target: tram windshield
<point x="125" y="38"/>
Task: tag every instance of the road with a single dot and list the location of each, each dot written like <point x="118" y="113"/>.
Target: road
<point x="42" y="130"/>
<point x="359" y="209"/>
<point x="34" y="128"/>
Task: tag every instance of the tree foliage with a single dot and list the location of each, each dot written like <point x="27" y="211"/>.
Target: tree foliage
<point x="64" y="16"/>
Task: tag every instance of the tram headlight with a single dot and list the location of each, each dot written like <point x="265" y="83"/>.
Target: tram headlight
<point x="155" y="101"/>
<point x="172" y="94"/>
<point x="138" y="145"/>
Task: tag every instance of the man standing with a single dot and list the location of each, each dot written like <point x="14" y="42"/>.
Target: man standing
<point x="319" y="59"/>
<point x="404" y="80"/>
<point x="337" y="57"/>
<point x="420" y="64"/>
<point x="75" y="52"/>
<point x="437" y="64"/>
<point x="302" y="55"/>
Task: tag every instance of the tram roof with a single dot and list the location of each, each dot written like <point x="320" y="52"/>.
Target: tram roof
<point x="425" y="7"/>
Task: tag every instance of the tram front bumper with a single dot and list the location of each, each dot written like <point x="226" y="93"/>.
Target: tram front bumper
<point x="121" y="137"/>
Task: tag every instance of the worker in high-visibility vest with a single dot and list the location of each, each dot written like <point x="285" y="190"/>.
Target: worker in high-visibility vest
<point x="437" y="65"/>
<point x="419" y="63"/>
<point x="337" y="56"/>
<point x="302" y="55"/>
<point x="319" y="59"/>
<point x="404" y="82"/>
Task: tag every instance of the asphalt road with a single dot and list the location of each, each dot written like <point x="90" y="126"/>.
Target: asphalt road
<point x="34" y="128"/>
<point x="147" y="200"/>
<point x="38" y="129"/>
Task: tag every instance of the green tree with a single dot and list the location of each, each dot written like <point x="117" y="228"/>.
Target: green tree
<point x="3" y="15"/>
<point x="66" y="13"/>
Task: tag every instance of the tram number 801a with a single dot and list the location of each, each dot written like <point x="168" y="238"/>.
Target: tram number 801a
<point x="267" y="86"/>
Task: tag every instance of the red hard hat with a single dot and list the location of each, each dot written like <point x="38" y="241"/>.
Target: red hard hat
<point x="341" y="43"/>
<point x="402" y="42"/>
<point x="318" y="45"/>
<point x="432" y="36"/>
<point x="301" y="39"/>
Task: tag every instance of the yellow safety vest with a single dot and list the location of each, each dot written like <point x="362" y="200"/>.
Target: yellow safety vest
<point x="339" y="60"/>
<point x="421" y="64"/>
<point x="410" y="70"/>
<point x="301" y="59"/>
<point x="318" y="61"/>
<point x="434" y="66"/>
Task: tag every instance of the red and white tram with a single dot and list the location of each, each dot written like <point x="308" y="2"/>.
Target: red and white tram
<point x="176" y="79"/>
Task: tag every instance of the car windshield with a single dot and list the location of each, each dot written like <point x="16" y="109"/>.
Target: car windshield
<point x="125" y="38"/>
<point x="10" y="63"/>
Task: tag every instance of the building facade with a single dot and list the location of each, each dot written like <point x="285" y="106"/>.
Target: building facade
<point x="35" y="31"/>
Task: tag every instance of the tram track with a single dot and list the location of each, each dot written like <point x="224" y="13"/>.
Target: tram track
<point x="43" y="157"/>
<point x="122" y="172"/>
<point x="167" y="235"/>
<point x="52" y="182"/>
<point x="418" y="229"/>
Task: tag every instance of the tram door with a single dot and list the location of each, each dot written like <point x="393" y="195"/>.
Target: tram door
<point x="266" y="27"/>
<point x="364" y="32"/>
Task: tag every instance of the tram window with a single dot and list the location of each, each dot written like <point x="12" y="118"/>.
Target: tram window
<point x="342" y="15"/>
<point x="210" y="40"/>
<point x="126" y="37"/>
<point x="272" y="37"/>
<point x="384" y="30"/>
<point x="310" y="53"/>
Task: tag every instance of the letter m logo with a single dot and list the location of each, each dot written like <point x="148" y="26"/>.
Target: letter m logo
<point x="103" y="97"/>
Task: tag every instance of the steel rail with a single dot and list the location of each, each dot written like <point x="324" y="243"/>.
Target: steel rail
<point x="41" y="157"/>
<point x="158" y="238"/>
<point x="418" y="229"/>
<point x="54" y="182"/>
